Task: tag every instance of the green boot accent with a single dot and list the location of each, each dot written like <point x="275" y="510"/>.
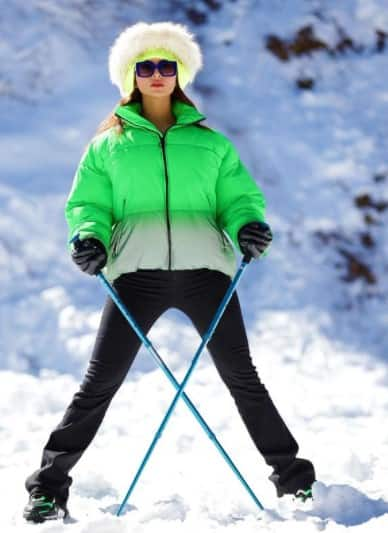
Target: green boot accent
<point x="304" y="495"/>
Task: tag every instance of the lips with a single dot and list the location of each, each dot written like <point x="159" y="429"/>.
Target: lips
<point x="157" y="84"/>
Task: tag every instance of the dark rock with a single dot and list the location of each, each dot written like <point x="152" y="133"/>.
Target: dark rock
<point x="364" y="200"/>
<point x="196" y="16"/>
<point x="305" y="83"/>
<point x="278" y="47"/>
<point x="357" y="269"/>
<point x="368" y="219"/>
<point x="346" y="43"/>
<point x="381" y="37"/>
<point x="329" y="236"/>
<point x="213" y="4"/>
<point x="305" y="42"/>
<point x="367" y="240"/>
<point x="380" y="177"/>
<point x="381" y="206"/>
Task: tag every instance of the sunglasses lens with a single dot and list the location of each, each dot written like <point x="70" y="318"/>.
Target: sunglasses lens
<point x="167" y="68"/>
<point x="145" y="69"/>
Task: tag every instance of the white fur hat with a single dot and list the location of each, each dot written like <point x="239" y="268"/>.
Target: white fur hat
<point x="160" y="39"/>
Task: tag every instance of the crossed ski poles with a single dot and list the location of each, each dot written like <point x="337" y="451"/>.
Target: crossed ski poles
<point x="180" y="387"/>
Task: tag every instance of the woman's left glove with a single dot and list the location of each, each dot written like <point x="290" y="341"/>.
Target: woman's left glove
<point x="89" y="255"/>
<point x="254" y="238"/>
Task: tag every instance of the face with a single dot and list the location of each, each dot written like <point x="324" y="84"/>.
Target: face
<point x="165" y="84"/>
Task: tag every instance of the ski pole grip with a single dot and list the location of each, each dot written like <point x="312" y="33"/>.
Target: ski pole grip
<point x="250" y="254"/>
<point x="247" y="257"/>
<point x="75" y="238"/>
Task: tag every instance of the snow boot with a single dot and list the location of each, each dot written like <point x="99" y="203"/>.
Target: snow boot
<point x="297" y="479"/>
<point x="42" y="507"/>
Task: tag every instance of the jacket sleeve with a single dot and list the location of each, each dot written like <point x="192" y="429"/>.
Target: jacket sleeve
<point x="239" y="198"/>
<point x="88" y="208"/>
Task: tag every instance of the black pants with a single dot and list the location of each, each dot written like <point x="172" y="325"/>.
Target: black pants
<point x="147" y="294"/>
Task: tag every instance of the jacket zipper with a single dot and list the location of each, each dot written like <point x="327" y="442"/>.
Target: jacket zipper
<point x="162" y="143"/>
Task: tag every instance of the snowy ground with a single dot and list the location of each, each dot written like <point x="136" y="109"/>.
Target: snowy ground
<point x="320" y="344"/>
<point x="337" y="411"/>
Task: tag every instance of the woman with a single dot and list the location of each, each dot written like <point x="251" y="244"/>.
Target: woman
<point x="152" y="196"/>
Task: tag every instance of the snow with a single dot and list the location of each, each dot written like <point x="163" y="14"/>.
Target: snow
<point x="318" y="342"/>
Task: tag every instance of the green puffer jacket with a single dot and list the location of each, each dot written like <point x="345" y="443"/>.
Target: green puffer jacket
<point x="163" y="200"/>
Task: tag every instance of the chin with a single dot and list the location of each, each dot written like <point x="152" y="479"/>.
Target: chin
<point x="158" y="92"/>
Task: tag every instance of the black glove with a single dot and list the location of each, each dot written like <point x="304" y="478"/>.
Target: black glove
<point x="89" y="255"/>
<point x="254" y="238"/>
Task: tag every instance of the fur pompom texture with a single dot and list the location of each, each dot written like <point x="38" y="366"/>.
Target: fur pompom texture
<point x="159" y="39"/>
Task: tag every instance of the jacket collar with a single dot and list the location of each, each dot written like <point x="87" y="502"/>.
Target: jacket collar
<point x="184" y="113"/>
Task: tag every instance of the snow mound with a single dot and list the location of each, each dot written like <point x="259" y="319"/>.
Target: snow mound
<point x="343" y="504"/>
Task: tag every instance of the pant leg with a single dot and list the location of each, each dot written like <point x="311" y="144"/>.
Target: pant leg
<point x="115" y="348"/>
<point x="229" y="350"/>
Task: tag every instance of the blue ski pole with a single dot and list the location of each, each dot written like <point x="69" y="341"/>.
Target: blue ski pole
<point x="116" y="298"/>
<point x="179" y="393"/>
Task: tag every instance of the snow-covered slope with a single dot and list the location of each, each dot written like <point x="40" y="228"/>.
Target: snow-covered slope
<point x="315" y="308"/>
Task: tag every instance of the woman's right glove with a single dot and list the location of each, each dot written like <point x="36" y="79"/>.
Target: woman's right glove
<point x="254" y="238"/>
<point x="89" y="255"/>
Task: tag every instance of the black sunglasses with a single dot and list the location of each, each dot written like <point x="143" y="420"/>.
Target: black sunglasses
<point x="146" y="68"/>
